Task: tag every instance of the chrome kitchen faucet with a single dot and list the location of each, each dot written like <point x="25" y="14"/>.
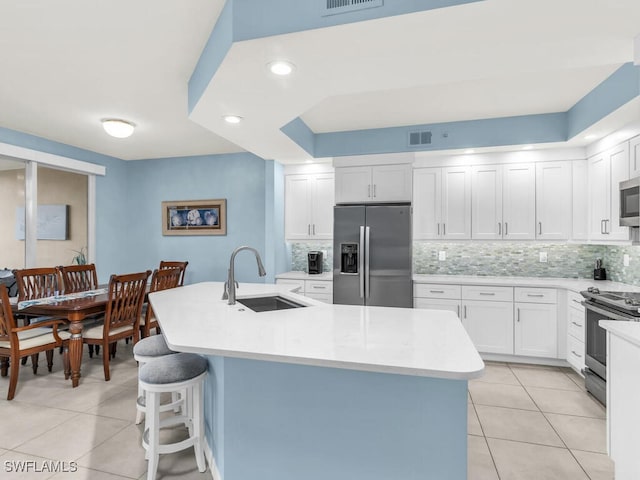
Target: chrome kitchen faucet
<point x="230" y="285"/>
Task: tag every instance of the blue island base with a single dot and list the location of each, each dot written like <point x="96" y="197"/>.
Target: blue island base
<point x="277" y="421"/>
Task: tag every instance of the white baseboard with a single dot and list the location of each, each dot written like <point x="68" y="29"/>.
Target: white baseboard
<point x="215" y="474"/>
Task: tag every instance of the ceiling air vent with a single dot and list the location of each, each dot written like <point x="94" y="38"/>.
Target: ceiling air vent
<point x="417" y="139"/>
<point x="334" y="7"/>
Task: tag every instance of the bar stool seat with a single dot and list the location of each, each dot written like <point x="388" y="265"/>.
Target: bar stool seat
<point x="184" y="372"/>
<point x="147" y="349"/>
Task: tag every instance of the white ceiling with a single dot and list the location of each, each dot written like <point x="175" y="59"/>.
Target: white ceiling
<point x="69" y="63"/>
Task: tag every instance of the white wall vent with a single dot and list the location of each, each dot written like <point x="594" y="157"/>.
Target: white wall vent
<point x="417" y="139"/>
<point x="334" y="7"/>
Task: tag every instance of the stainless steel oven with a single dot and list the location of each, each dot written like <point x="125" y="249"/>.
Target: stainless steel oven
<point x="630" y="202"/>
<point x="620" y="306"/>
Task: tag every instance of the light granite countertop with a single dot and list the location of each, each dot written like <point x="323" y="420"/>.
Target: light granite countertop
<point x="429" y="343"/>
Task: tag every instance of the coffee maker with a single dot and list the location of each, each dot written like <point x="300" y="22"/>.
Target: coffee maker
<point x="314" y="262"/>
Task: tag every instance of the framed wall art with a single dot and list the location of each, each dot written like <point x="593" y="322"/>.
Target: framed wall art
<point x="194" y="217"/>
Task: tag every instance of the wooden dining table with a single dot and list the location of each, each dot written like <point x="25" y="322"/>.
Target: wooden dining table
<point x="74" y="312"/>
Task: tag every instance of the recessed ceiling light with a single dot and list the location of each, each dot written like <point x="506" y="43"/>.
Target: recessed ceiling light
<point x="118" y="128"/>
<point x="232" y="119"/>
<point x="469" y="150"/>
<point x="591" y="136"/>
<point x="281" y="68"/>
<point x="527" y="147"/>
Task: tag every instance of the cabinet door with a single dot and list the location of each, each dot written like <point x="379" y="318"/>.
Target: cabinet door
<point x="489" y="324"/>
<point x="619" y="164"/>
<point x="427" y="196"/>
<point x="322" y="206"/>
<point x="456" y="203"/>
<point x="391" y="183"/>
<point x="634" y="157"/>
<point x="519" y="202"/>
<point x="486" y="195"/>
<point x="580" y="202"/>
<point x="297" y="218"/>
<point x="536" y="330"/>
<point x="599" y="195"/>
<point x="553" y="200"/>
<point x="353" y="184"/>
<point x="437" y="304"/>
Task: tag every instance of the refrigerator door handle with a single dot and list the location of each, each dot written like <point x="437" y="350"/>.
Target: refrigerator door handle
<point x="366" y="262"/>
<point x="361" y="266"/>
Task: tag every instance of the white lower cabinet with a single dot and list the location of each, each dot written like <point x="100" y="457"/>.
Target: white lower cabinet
<point x="535" y="331"/>
<point x="437" y="297"/>
<point x="321" y="290"/>
<point x="489" y="324"/>
<point x="575" y="332"/>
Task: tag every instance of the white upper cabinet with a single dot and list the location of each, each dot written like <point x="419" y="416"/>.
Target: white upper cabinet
<point x="519" y="201"/>
<point x="503" y="202"/>
<point x="606" y="171"/>
<point x="553" y="200"/>
<point x="634" y="157"/>
<point x="309" y="206"/>
<point x="379" y="183"/>
<point x="442" y="203"/>
<point x="580" y="202"/>
<point x="486" y="194"/>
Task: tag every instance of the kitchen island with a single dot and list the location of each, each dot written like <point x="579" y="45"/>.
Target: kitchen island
<point x="326" y="391"/>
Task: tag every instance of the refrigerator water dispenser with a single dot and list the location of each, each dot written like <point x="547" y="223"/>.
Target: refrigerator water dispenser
<point x="349" y="258"/>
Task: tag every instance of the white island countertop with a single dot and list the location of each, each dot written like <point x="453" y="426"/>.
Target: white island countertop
<point x="430" y="343"/>
<point x="630" y="331"/>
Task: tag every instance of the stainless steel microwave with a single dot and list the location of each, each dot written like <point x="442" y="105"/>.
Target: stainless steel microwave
<point x="630" y="202"/>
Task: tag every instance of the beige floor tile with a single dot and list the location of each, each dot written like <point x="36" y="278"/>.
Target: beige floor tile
<point x="181" y="465"/>
<point x="575" y="378"/>
<point x="526" y="461"/>
<point x="3" y="451"/>
<point x="533" y="365"/>
<point x="122" y="454"/>
<point x="581" y="433"/>
<point x="500" y="395"/>
<point x="83" y="432"/>
<point x="473" y="425"/>
<point x="86" y="396"/>
<point x="566" y="402"/>
<point x="498" y="374"/>
<point x="479" y="462"/>
<point x="536" y="377"/>
<point x="21" y="422"/>
<point x="520" y="425"/>
<point x="597" y="465"/>
<point x="82" y="473"/>
<point x="122" y="406"/>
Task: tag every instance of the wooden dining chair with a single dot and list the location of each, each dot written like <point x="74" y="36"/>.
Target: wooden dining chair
<point x="122" y="315"/>
<point x="18" y="342"/>
<point x="34" y="283"/>
<point x="181" y="265"/>
<point x="78" y="278"/>
<point x="81" y="278"/>
<point x="160" y="280"/>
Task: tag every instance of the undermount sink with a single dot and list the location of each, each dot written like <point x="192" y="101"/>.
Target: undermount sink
<point x="268" y="304"/>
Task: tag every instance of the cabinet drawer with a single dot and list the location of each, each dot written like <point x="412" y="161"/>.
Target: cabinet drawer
<point x="322" y="297"/>
<point x="576" y="323"/>
<point x="575" y="353"/>
<point x="426" y="290"/>
<point x="318" y="286"/>
<point x="435" y="304"/>
<point x="496" y="294"/>
<point x="535" y="295"/>
<point x="288" y="281"/>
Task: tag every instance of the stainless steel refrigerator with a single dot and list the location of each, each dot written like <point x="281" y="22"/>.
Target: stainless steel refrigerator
<point x="372" y="255"/>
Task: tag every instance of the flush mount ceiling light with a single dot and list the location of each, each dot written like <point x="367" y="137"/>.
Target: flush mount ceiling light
<point x="469" y="151"/>
<point x="234" y="119"/>
<point x="118" y="128"/>
<point x="591" y="136"/>
<point x="281" y="68"/>
<point x="527" y="147"/>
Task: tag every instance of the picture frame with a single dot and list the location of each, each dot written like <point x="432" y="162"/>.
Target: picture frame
<point x="194" y="217"/>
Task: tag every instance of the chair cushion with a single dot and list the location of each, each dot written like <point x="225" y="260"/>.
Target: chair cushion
<point x="36" y="338"/>
<point x="98" y="330"/>
<point x="172" y="368"/>
<point x="153" y="346"/>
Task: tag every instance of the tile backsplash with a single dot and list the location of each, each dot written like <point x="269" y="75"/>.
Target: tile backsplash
<point x="520" y="259"/>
